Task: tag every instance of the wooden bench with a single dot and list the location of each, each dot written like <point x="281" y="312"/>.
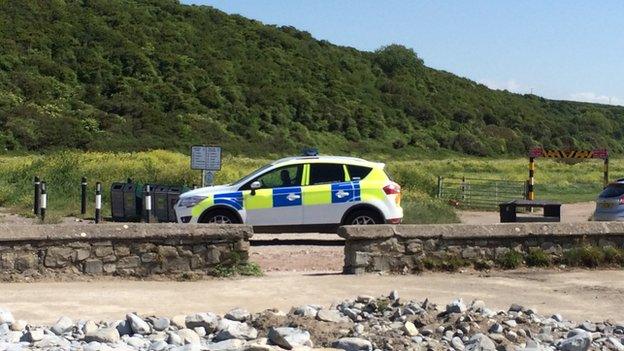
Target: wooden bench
<point x="508" y="211"/>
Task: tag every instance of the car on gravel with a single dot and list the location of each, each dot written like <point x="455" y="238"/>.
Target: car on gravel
<point x="610" y="203"/>
<point x="305" y="193"/>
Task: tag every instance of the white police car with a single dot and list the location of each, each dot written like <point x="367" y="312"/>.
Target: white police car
<point x="301" y="193"/>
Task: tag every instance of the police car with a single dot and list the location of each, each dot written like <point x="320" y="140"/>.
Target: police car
<point x="301" y="193"/>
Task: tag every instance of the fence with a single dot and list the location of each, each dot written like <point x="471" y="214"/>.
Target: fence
<point x="478" y="193"/>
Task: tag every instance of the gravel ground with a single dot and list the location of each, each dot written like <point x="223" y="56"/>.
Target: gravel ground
<point x="363" y="323"/>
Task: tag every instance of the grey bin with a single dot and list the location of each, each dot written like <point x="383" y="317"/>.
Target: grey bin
<point x="172" y="198"/>
<point x="117" y="202"/>
<point x="160" y="204"/>
<point x="132" y="195"/>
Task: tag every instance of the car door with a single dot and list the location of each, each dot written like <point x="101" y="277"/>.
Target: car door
<point x="327" y="193"/>
<point x="278" y="201"/>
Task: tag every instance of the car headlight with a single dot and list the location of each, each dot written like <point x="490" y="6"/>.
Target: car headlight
<point x="190" y="201"/>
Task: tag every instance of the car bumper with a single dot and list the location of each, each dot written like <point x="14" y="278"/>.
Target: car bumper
<point x="185" y="215"/>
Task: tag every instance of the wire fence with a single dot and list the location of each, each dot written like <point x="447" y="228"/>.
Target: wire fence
<point x="476" y="193"/>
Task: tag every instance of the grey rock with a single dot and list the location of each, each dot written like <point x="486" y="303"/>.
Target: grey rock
<point x="480" y="342"/>
<point x="496" y="328"/>
<point x="238" y="314"/>
<point x="188" y="336"/>
<point x="33" y="335"/>
<point x="209" y="321"/>
<point x="457" y="343"/>
<point x="353" y="344"/>
<point x="229" y="329"/>
<point x="557" y="317"/>
<point x="159" y="324"/>
<point x="63" y="325"/>
<point x="515" y="308"/>
<point x="123" y="327"/>
<point x="577" y="340"/>
<point x="138" y="342"/>
<point x="306" y="311"/>
<point x="104" y="335"/>
<point x="289" y="338"/>
<point x="6" y="316"/>
<point x="456" y="306"/>
<point x="332" y="316"/>
<point x="589" y="326"/>
<point x="394" y="295"/>
<point x="158" y="345"/>
<point x="410" y="329"/>
<point x="138" y="325"/>
<point x="227" y="345"/>
<point x="89" y="327"/>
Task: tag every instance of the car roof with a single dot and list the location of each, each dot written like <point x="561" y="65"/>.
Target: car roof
<point x="327" y="159"/>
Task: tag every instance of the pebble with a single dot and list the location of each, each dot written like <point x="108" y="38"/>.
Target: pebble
<point x="364" y="323"/>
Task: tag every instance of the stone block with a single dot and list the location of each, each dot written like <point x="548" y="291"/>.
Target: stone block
<point x="58" y="257"/>
<point x="7" y="260"/>
<point x="93" y="266"/>
<point x="128" y="262"/>
<point x="149" y="257"/>
<point x="176" y="264"/>
<point x="109" y="268"/>
<point x="122" y="250"/>
<point x="213" y="255"/>
<point x="26" y="260"/>
<point x="82" y="254"/>
<point x="101" y="251"/>
<point x="167" y="251"/>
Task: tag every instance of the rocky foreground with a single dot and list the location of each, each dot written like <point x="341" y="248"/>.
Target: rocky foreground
<point x="364" y="323"/>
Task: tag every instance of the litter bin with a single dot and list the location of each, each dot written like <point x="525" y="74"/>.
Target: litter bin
<point x="132" y="195"/>
<point x="160" y="206"/>
<point x="117" y="202"/>
<point x="172" y="198"/>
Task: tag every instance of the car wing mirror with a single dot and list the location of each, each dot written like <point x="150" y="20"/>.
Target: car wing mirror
<point x="254" y="186"/>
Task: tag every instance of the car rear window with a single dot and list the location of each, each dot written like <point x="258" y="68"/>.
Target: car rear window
<point x="358" y="172"/>
<point x="325" y="173"/>
<point x="613" y="190"/>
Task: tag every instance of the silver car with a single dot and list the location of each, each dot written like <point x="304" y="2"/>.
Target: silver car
<point x="610" y="203"/>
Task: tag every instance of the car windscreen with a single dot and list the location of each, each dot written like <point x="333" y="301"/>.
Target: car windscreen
<point x="613" y="190"/>
<point x="251" y="175"/>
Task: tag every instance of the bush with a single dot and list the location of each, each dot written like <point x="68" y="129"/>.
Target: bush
<point x="586" y="256"/>
<point x="614" y="255"/>
<point x="538" y="258"/>
<point x="510" y="260"/>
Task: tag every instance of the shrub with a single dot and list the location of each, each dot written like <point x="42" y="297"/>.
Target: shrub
<point x="538" y="258"/>
<point x="614" y="255"/>
<point x="510" y="260"/>
<point x="586" y="256"/>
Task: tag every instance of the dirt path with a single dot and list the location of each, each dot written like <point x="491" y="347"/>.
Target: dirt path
<point x="570" y="213"/>
<point x="578" y="294"/>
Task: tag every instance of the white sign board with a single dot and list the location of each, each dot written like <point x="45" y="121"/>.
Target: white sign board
<point x="206" y="158"/>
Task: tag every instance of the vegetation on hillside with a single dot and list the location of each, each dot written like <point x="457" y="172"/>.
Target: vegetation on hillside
<point x="126" y="75"/>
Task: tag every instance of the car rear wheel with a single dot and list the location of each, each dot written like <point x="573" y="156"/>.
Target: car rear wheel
<point x="219" y="217"/>
<point x="363" y="217"/>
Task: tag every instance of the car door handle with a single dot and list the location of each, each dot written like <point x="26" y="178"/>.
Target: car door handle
<point x="341" y="194"/>
<point x="293" y="197"/>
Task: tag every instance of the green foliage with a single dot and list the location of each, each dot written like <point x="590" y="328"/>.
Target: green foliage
<point x="537" y="258"/>
<point x="126" y="75"/>
<point x="450" y="263"/>
<point x="510" y="260"/>
<point x="236" y="266"/>
<point x="590" y="256"/>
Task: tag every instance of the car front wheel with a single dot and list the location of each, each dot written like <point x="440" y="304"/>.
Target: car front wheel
<point x="219" y="217"/>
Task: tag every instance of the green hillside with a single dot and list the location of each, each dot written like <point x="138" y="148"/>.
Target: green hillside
<point x="137" y="75"/>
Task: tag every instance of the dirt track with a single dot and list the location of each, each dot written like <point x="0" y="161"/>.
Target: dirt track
<point x="570" y="213"/>
<point x="578" y="295"/>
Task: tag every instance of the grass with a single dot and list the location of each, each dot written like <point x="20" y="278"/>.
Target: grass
<point x="510" y="260"/>
<point x="62" y="172"/>
<point x="538" y="258"/>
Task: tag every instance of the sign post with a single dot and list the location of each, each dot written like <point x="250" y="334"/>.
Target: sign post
<point x="208" y="160"/>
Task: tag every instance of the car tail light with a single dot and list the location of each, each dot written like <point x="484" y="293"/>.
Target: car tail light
<point x="392" y="188"/>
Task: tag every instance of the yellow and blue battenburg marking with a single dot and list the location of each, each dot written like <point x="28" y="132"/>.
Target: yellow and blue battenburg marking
<point x="345" y="192"/>
<point x="290" y="196"/>
<point x="234" y="199"/>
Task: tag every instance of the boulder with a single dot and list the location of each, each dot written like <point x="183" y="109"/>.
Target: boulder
<point x="353" y="344"/>
<point x="289" y="338"/>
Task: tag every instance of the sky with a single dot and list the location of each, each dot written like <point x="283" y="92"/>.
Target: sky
<point x="569" y="50"/>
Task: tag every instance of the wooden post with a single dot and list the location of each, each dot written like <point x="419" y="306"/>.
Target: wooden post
<point x="606" y="172"/>
<point x="531" y="178"/>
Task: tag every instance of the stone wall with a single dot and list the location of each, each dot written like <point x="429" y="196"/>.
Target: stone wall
<point x="131" y="249"/>
<point x="411" y="248"/>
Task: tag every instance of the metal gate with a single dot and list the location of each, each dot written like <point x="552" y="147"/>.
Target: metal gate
<point x="480" y="193"/>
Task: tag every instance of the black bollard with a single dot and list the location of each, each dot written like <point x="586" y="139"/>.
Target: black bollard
<point x="37" y="185"/>
<point x="83" y="196"/>
<point x="98" y="202"/>
<point x="148" y="203"/>
<point x="43" y="204"/>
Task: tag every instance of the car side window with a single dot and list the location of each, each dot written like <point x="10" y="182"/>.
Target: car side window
<point x="279" y="178"/>
<point x="358" y="172"/>
<point x="326" y="173"/>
